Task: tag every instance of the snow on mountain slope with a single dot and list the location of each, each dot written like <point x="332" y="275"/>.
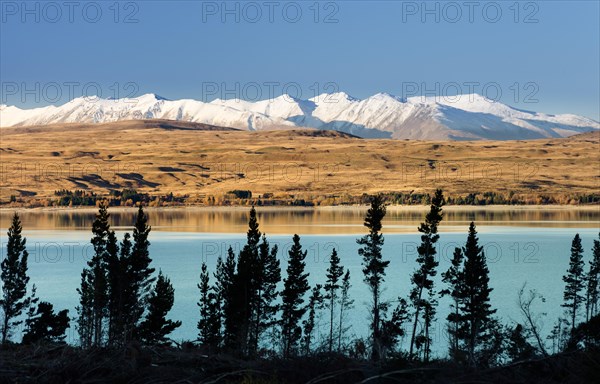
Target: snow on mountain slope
<point x="464" y="117"/>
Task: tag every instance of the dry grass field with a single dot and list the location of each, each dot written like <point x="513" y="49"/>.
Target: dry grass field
<point x="160" y="157"/>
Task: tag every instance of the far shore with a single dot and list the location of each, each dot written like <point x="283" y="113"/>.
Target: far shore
<point x="455" y="208"/>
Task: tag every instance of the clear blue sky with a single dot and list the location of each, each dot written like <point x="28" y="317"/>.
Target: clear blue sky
<point x="548" y="51"/>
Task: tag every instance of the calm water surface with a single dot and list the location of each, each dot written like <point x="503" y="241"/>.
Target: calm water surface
<point x="522" y="246"/>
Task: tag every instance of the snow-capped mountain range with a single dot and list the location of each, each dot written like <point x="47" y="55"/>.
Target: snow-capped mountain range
<point x="464" y="117"/>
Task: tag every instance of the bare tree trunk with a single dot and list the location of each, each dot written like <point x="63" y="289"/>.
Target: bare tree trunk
<point x="426" y="340"/>
<point x="375" y="350"/>
<point x="341" y="327"/>
<point x="331" y="323"/>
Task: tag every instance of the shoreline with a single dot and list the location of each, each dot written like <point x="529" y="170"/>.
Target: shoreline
<point x="396" y="208"/>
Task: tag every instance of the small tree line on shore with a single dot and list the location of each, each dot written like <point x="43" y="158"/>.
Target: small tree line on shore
<point x="249" y="307"/>
<point x="131" y="197"/>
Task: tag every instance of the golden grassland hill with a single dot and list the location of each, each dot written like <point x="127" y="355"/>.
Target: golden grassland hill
<point x="160" y="157"/>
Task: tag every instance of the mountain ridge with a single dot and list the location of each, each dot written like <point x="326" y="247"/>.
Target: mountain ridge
<point x="461" y="117"/>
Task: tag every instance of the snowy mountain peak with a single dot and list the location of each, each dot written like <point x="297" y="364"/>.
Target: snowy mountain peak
<point x="387" y="97"/>
<point x="461" y="117"/>
<point x="333" y="97"/>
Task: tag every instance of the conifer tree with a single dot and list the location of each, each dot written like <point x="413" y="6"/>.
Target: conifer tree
<point x="574" y="282"/>
<point x="14" y="279"/>
<point x="115" y="282"/>
<point x="267" y="276"/>
<point x="209" y="325"/>
<point x="295" y="286"/>
<point x="121" y="293"/>
<point x="85" y="313"/>
<point x="346" y="303"/>
<point x="335" y="272"/>
<point x="138" y="271"/>
<point x="453" y="277"/>
<point x="245" y="292"/>
<point x="97" y="265"/>
<point x="374" y="267"/>
<point x="315" y="303"/>
<point x="155" y="328"/>
<point x="93" y="292"/>
<point x="224" y="287"/>
<point x="205" y="305"/>
<point x="422" y="278"/>
<point x="476" y="312"/>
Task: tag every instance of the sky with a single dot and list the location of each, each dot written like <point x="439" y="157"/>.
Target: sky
<point x="542" y="56"/>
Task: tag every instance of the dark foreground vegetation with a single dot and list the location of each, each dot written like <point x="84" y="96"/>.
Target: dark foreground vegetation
<point x="258" y="324"/>
<point x="66" y="364"/>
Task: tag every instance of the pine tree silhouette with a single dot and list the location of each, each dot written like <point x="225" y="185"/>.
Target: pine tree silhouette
<point x="422" y="278"/>
<point x="335" y="271"/>
<point x="574" y="282"/>
<point x="374" y="267"/>
<point x="476" y="311"/>
<point x="14" y="278"/>
<point x="156" y="327"/>
<point x="292" y="297"/>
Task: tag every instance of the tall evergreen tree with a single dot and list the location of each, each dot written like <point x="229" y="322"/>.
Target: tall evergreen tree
<point x="138" y="272"/>
<point x="115" y="282"/>
<point x="315" y="303"/>
<point x="204" y="304"/>
<point x="209" y="325"/>
<point x="121" y="293"/>
<point x="453" y="277"/>
<point x="85" y="312"/>
<point x="155" y="328"/>
<point x="14" y="278"/>
<point x="374" y="266"/>
<point x="225" y="286"/>
<point x="476" y="311"/>
<point x="267" y="276"/>
<point x="335" y="271"/>
<point x="593" y="279"/>
<point x="346" y="303"/>
<point x="292" y="297"/>
<point x="574" y="282"/>
<point x="245" y="290"/>
<point x="422" y="278"/>
<point x="93" y="292"/>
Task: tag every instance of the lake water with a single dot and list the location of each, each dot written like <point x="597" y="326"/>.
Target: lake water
<point x="521" y="245"/>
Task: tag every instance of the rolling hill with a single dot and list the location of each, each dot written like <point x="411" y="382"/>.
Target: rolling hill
<point x="161" y="157"/>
